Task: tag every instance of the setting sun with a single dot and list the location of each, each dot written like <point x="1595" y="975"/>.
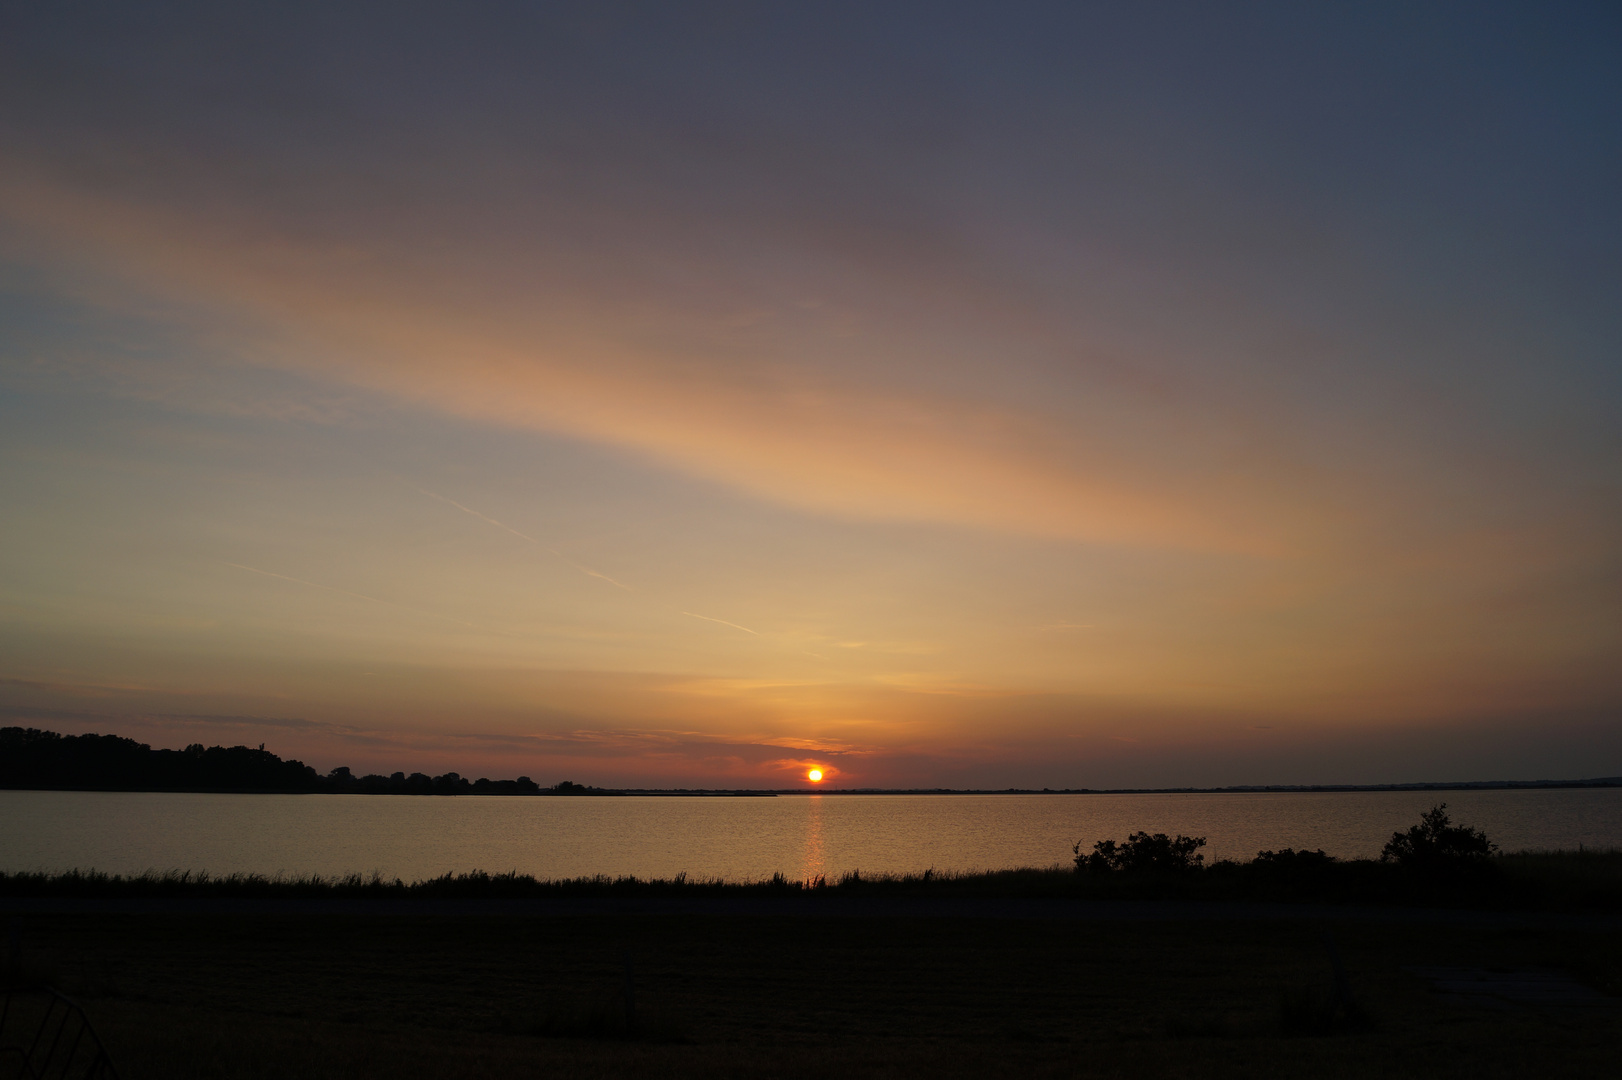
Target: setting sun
<point x="815" y="776"/>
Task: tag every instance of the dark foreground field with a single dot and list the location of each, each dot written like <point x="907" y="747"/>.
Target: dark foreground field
<point x="854" y="992"/>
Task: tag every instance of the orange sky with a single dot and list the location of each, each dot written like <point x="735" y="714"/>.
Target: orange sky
<point x="654" y="407"/>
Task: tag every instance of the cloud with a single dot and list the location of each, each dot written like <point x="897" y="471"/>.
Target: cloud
<point x="723" y="622"/>
<point x="1035" y="740"/>
<point x="588" y="571"/>
<point x="1359" y="471"/>
<point x="310" y="584"/>
<point x="634" y="372"/>
<point x="354" y="595"/>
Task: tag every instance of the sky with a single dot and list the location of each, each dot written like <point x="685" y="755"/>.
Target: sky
<point x="990" y="395"/>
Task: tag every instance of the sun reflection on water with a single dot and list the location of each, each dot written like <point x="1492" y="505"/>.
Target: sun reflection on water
<point x="811" y="865"/>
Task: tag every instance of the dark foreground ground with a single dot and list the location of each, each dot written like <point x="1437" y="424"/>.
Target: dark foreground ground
<point x="853" y="992"/>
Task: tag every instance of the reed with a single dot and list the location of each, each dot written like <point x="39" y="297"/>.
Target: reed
<point x="1583" y="879"/>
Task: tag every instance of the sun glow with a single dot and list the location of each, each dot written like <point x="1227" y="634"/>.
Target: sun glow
<point x="815" y="776"/>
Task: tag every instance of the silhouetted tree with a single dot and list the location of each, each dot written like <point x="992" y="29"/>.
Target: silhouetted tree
<point x="46" y="760"/>
<point x="1142" y="853"/>
<point x="30" y="758"/>
<point x="1437" y="843"/>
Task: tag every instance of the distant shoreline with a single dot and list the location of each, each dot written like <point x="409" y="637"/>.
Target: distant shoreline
<point x="1236" y="789"/>
<point x="772" y="793"/>
<point x="35" y="760"/>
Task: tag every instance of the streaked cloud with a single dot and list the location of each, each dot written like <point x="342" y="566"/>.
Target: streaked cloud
<point x="991" y="381"/>
<point x="588" y="571"/>
<point x="723" y="622"/>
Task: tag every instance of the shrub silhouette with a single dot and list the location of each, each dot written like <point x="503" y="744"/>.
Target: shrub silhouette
<point x="1437" y="843"/>
<point x="44" y="760"/>
<point x="1290" y="859"/>
<point x="1142" y="853"/>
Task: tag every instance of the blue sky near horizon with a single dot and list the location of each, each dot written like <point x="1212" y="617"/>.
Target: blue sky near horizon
<point x="1039" y="395"/>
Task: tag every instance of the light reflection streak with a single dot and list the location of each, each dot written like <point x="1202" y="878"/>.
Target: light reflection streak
<point x="811" y="865"/>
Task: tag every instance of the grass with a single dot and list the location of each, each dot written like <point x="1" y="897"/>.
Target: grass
<point x="1586" y="872"/>
<point x="805" y="989"/>
<point x="1554" y="880"/>
<point x="407" y="996"/>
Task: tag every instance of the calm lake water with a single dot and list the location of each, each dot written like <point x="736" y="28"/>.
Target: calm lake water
<point x="739" y="839"/>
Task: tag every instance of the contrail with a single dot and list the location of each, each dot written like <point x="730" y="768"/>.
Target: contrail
<point x="723" y="622"/>
<point x="311" y="584"/>
<point x="356" y="595"/>
<point x="525" y="536"/>
<point x="482" y="517"/>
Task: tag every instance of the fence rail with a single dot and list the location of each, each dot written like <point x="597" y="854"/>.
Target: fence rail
<point x="45" y="1035"/>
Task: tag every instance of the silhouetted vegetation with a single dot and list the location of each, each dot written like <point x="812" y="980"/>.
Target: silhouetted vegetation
<point x="44" y="760"/>
<point x="1433" y="863"/>
<point x="341" y="781"/>
<point x="1527" y="881"/>
<point x="254" y="992"/>
<point x="1290" y="861"/>
<point x="1142" y="853"/>
<point x="30" y="758"/>
<point x="635" y="985"/>
<point x="1436" y="844"/>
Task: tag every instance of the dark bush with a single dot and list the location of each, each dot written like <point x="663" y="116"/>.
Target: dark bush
<point x="1437" y="843"/>
<point x="1292" y="860"/>
<point x="1142" y="853"/>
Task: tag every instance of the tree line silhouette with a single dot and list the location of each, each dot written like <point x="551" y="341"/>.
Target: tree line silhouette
<point x="45" y="760"/>
<point x="1435" y="844"/>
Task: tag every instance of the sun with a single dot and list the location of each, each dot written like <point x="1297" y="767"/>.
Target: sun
<point x="815" y="776"/>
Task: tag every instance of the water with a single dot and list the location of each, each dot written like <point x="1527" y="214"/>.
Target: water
<point x="738" y="839"/>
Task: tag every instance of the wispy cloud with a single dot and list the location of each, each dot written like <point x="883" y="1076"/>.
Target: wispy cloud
<point x="311" y="584"/>
<point x="355" y="595"/>
<point x="723" y="622"/>
<point x="905" y="420"/>
<point x="588" y="571"/>
<point x="822" y="440"/>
